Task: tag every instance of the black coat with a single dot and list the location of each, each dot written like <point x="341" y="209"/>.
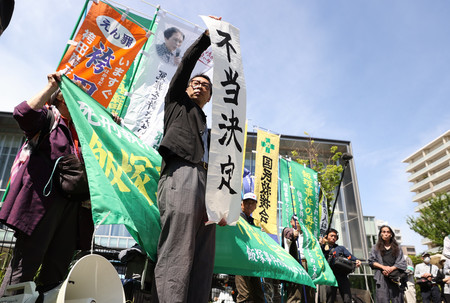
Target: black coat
<point x="184" y="120"/>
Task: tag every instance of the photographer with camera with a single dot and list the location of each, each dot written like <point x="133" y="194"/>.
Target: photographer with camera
<point x="342" y="262"/>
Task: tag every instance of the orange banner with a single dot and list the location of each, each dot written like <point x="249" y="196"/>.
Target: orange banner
<point x="104" y="48"/>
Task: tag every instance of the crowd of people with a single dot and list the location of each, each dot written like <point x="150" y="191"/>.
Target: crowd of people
<point x="51" y="226"/>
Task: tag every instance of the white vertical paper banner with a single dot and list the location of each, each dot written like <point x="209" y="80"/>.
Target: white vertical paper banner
<point x="324" y="215"/>
<point x="145" y="113"/>
<point x="223" y="189"/>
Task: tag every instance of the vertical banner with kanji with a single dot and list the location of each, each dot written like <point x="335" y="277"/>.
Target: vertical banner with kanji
<point x="145" y="110"/>
<point x="223" y="188"/>
<point x="285" y="193"/>
<point x="306" y="187"/>
<point x="102" y="52"/>
<point x="266" y="180"/>
<point x="323" y="215"/>
<point x="299" y="196"/>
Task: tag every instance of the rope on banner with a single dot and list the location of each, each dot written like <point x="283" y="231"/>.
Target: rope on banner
<point x="172" y="14"/>
<point x="256" y="127"/>
<point x="127" y="11"/>
<point x="129" y="93"/>
<point x="125" y="14"/>
<point x="130" y="8"/>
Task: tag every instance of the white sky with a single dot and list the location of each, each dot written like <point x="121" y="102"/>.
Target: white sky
<point x="371" y="72"/>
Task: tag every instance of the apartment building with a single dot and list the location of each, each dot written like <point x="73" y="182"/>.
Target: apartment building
<point x="429" y="171"/>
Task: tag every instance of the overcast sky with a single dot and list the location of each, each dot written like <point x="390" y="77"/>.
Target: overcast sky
<point x="375" y="73"/>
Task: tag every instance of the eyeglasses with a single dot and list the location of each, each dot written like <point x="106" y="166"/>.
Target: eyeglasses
<point x="197" y="83"/>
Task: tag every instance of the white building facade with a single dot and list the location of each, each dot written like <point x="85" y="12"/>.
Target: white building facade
<point x="429" y="171"/>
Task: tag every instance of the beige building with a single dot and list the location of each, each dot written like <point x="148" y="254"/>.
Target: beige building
<point x="429" y="169"/>
<point x="409" y="250"/>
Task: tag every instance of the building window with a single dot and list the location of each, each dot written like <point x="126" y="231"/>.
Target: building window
<point x="9" y="146"/>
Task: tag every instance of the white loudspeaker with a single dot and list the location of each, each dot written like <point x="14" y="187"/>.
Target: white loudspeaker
<point x="92" y="279"/>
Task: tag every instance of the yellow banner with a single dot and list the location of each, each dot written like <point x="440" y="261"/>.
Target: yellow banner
<point x="266" y="180"/>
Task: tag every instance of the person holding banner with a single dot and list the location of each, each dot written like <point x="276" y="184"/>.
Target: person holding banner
<point x="169" y="51"/>
<point x="47" y="226"/>
<point x="331" y="250"/>
<point x="186" y="248"/>
<point x="292" y="243"/>
<point x="249" y="288"/>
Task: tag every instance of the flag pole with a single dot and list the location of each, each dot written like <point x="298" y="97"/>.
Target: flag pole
<point x="296" y="222"/>
<point x="6" y="190"/>
<point x="74" y="29"/>
<point x="139" y="60"/>
<point x="346" y="158"/>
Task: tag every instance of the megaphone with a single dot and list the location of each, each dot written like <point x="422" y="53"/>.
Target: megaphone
<point x="92" y="279"/>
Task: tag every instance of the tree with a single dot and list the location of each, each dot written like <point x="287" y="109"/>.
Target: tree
<point x="329" y="173"/>
<point x="433" y="222"/>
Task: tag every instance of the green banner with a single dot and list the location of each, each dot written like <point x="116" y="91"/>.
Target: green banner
<point x="318" y="267"/>
<point x="285" y="194"/>
<point x="245" y="250"/>
<point x="301" y="195"/>
<point x="123" y="175"/>
<point x="306" y="185"/>
<point x="122" y="171"/>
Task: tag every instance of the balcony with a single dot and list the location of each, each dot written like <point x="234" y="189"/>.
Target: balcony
<point x="426" y="241"/>
<point x="427" y="195"/>
<point x="432" y="166"/>
<point x="428" y="157"/>
<point x="445" y="173"/>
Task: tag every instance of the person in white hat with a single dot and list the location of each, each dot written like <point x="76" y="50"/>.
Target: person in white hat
<point x="249" y="288"/>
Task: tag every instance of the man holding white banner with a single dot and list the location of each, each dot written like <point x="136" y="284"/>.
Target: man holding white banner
<point x="185" y="256"/>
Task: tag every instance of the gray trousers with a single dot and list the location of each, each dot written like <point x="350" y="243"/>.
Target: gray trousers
<point x="186" y="247"/>
<point x="52" y="245"/>
<point x="388" y="292"/>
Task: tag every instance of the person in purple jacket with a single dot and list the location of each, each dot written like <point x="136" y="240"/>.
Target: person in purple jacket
<point x="46" y="227"/>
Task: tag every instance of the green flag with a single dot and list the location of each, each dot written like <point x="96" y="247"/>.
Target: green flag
<point x="301" y="195"/>
<point x="123" y="175"/>
<point x="122" y="171"/>
<point x="245" y="250"/>
<point x="306" y="185"/>
<point x="285" y="194"/>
